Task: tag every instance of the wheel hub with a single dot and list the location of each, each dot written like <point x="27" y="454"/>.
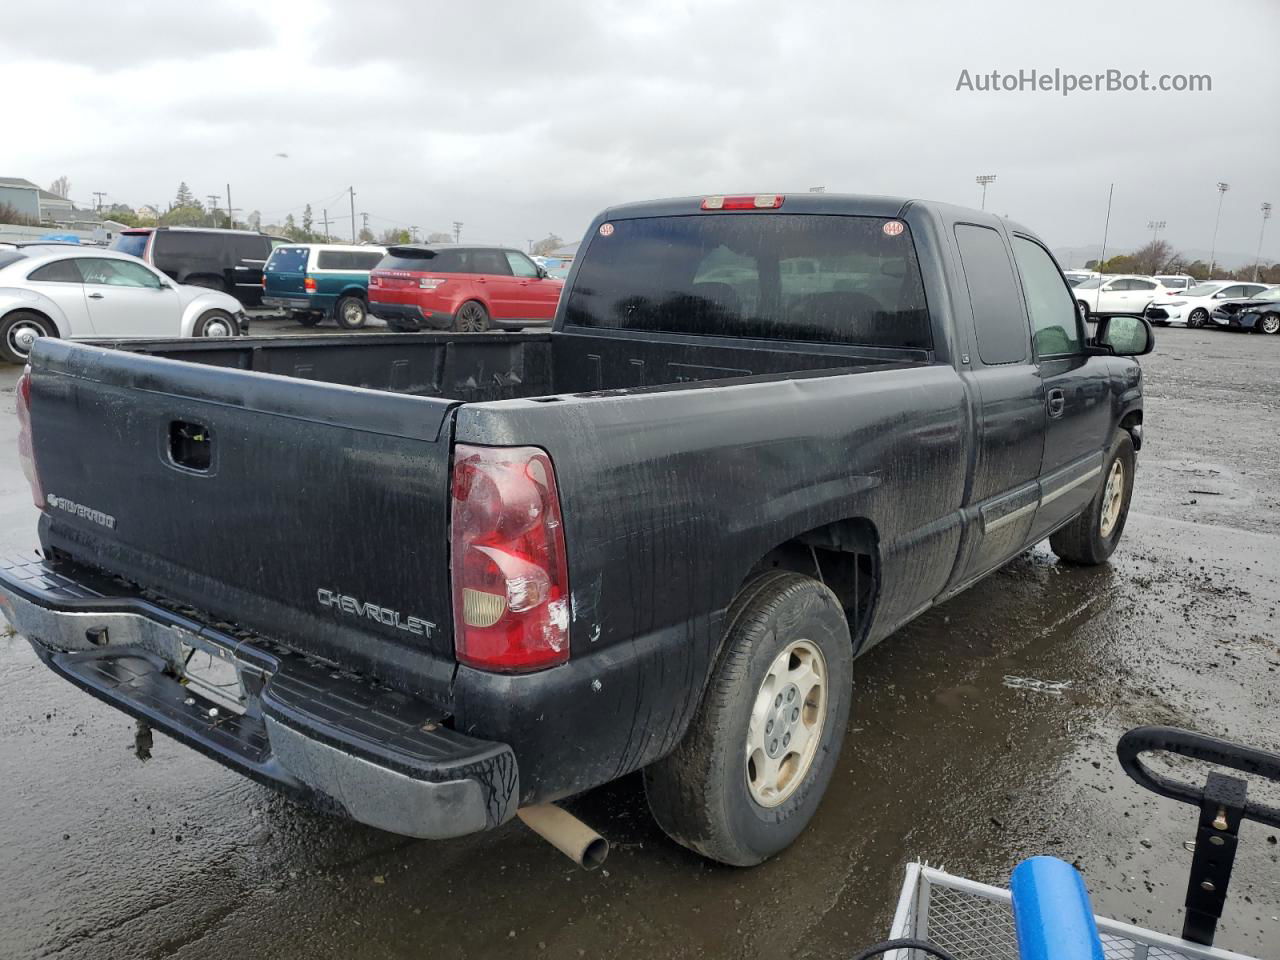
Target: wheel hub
<point x="218" y="328"/>
<point x="1112" y="499"/>
<point x="23" y="337"/>
<point x="786" y="723"/>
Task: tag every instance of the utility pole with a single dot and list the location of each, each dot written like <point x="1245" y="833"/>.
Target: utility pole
<point x="1213" y="248"/>
<point x="1106" y="228"/>
<point x="982" y="181"/>
<point x="364" y="218"/>
<point x="325" y="220"/>
<point x="231" y="220"/>
<point x="352" y="191"/>
<point x="213" y="199"/>
<point x="413" y="234"/>
<point x="457" y="231"/>
<point x="99" y="194"/>
<point x="1155" y="226"/>
<point x="1266" y="215"/>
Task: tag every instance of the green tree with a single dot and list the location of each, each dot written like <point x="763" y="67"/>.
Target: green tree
<point x="394" y="235"/>
<point x="185" y="216"/>
<point x="307" y="222"/>
<point x="291" y="228"/>
<point x="365" y="235"/>
<point x="255" y="220"/>
<point x="185" y="198"/>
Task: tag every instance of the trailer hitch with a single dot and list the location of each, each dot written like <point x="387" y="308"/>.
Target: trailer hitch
<point x="1223" y="804"/>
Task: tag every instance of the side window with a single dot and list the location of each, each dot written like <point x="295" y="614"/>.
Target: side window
<point x="993" y="293"/>
<point x="248" y="248"/>
<point x="490" y="262"/>
<point x="521" y="266"/>
<point x="117" y="273"/>
<point x="365" y="261"/>
<point x="1236" y="291"/>
<point x="1141" y="285"/>
<point x="60" y="271"/>
<point x="333" y="260"/>
<point x="1054" y="321"/>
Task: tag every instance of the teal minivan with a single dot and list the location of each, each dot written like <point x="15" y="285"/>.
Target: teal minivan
<point x="313" y="281"/>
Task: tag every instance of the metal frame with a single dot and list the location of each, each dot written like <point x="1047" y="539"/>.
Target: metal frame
<point x="1121" y="941"/>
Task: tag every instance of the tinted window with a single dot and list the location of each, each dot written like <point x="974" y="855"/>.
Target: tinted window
<point x="1203" y="290"/>
<point x="248" y="247"/>
<point x="521" y="266"/>
<point x="116" y="273"/>
<point x="365" y="259"/>
<point x="1236" y="291"/>
<point x="490" y="262"/>
<point x="1251" y="288"/>
<point x="1090" y="284"/>
<point x="1051" y="308"/>
<point x="1141" y="285"/>
<point x="181" y="245"/>
<point x="134" y="244"/>
<point x="288" y="260"/>
<point x="997" y="314"/>
<point x="333" y="260"/>
<point x="425" y="261"/>
<point x="11" y="256"/>
<point x="721" y="275"/>
<point x="61" y="271"/>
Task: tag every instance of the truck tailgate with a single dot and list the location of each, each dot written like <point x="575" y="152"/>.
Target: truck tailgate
<point x="310" y="513"/>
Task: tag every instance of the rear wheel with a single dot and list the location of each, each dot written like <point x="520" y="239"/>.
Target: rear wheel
<point x="215" y="323"/>
<point x="19" y="332"/>
<point x="471" y="317"/>
<point x="759" y="754"/>
<point x="1270" y="323"/>
<point x="350" y="313"/>
<point x="1199" y="316"/>
<point x="1092" y="537"/>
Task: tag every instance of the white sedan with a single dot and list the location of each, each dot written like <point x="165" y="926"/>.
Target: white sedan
<point x="74" y="292"/>
<point x="1125" y="296"/>
<point x="1194" y="306"/>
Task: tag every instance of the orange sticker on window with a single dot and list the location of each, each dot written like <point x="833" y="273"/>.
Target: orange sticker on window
<point x="606" y="229"/>
<point x="894" y="228"/>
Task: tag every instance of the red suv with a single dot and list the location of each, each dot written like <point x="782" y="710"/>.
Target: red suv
<point x="448" y="287"/>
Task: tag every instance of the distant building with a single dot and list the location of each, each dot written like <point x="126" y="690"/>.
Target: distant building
<point x="22" y="195"/>
<point x="54" y="208"/>
<point x="148" y="212"/>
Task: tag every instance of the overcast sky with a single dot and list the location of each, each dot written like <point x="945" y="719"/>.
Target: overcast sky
<point x="524" y="118"/>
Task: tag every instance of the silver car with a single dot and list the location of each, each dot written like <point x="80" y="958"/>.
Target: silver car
<point x="77" y="293"/>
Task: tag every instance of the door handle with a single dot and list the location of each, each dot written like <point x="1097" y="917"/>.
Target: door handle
<point x="1057" y="403"/>
<point x="95" y="296"/>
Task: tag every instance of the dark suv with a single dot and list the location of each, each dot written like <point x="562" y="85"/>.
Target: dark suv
<point x="226" y="260"/>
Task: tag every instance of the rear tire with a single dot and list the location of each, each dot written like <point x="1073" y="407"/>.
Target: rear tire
<point x="215" y="323"/>
<point x="18" y="333"/>
<point x="472" y="317"/>
<point x="734" y="790"/>
<point x="350" y="313"/>
<point x="1092" y="537"/>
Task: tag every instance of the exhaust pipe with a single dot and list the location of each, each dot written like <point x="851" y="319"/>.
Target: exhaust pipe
<point x="566" y="833"/>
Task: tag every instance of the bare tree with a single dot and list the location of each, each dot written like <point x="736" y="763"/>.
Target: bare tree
<point x="546" y="245"/>
<point x="439" y="237"/>
<point x="61" y="187"/>
<point x="1154" y="258"/>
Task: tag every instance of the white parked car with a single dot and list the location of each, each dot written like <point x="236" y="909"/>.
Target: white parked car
<point x="1123" y="296"/>
<point x="1194" y="306"/>
<point x="1075" y="277"/>
<point x="1175" y="282"/>
<point x="74" y="292"/>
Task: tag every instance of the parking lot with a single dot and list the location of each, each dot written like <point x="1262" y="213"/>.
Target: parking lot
<point x="982" y="733"/>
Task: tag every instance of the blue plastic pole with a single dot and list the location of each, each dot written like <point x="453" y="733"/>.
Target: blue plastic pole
<point x="1052" y="913"/>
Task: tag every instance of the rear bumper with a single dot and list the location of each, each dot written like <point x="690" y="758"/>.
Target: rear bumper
<point x="290" y="303"/>
<point x="411" y="315"/>
<point x="320" y="734"/>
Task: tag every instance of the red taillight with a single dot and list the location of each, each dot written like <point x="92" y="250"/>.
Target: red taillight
<point x="26" y="446"/>
<point x="309" y="284"/>
<point x="510" y="575"/>
<point x="763" y="201"/>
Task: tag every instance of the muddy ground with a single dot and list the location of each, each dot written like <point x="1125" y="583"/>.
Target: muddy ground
<point x="104" y="855"/>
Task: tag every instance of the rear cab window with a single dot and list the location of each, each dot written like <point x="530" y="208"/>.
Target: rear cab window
<point x="809" y="277"/>
<point x="998" y="317"/>
<point x="352" y="261"/>
<point x="134" y="244"/>
<point x="287" y="260"/>
<point x="426" y="261"/>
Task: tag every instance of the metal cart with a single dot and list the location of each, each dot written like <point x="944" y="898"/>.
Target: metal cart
<point x="1046" y="913"/>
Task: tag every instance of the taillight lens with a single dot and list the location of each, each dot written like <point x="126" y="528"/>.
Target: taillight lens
<point x="26" y="447"/>
<point x="510" y="575"/>
<point x="762" y="201"/>
<point x="430" y="283"/>
<point x="309" y="284"/>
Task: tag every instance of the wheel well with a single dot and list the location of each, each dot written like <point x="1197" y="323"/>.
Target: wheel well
<point x="1130" y="421"/>
<point x="53" y="324"/>
<point x="844" y="555"/>
<point x="357" y="292"/>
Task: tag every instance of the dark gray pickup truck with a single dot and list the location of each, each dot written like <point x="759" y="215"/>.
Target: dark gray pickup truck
<point x="425" y="580"/>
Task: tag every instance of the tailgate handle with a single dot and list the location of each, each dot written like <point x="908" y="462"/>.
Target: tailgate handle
<point x="190" y="445"/>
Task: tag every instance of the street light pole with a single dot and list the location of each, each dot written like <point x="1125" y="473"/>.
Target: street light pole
<point x="1266" y="215"/>
<point x="1106" y="229"/>
<point x="1213" y="248"/>
<point x="982" y="181"/>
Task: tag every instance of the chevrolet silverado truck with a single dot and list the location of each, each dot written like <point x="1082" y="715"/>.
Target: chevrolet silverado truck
<point x="425" y="580"/>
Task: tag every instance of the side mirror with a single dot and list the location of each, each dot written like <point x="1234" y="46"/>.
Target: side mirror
<point x="542" y="273"/>
<point x="1127" y="336"/>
